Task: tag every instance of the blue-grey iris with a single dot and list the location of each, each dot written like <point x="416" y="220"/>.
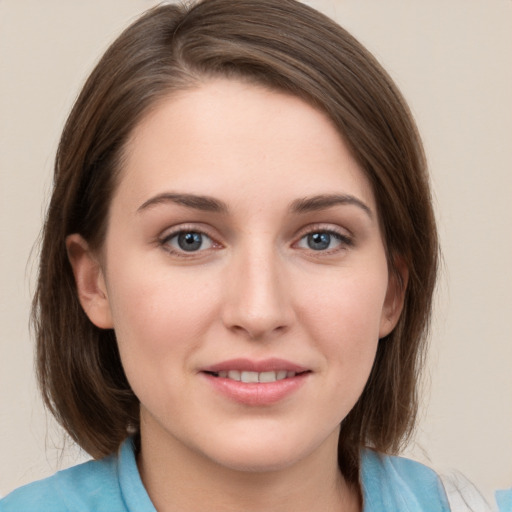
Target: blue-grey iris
<point x="190" y="241"/>
<point x="319" y="241"/>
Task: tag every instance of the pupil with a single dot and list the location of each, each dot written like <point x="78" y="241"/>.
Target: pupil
<point x="319" y="241"/>
<point x="190" y="241"/>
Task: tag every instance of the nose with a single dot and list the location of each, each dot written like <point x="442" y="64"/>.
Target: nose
<point x="257" y="301"/>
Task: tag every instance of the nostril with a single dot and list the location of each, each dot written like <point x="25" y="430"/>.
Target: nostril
<point x="259" y="330"/>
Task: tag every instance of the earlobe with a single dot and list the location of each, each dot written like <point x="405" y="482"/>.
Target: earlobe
<point x="90" y="281"/>
<point x="395" y="297"/>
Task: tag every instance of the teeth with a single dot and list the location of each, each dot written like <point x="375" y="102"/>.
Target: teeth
<point x="234" y="375"/>
<point x="249" y="377"/>
<point x="252" y="377"/>
<point x="267" y="377"/>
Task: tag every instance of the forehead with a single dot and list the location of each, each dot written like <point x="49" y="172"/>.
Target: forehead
<point x="228" y="136"/>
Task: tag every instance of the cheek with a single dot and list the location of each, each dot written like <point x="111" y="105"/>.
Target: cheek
<point x="159" y="320"/>
<point x="158" y="313"/>
<point x="347" y="306"/>
<point x="344" y="321"/>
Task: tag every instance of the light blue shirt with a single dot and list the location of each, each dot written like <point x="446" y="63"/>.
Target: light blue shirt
<point x="504" y="500"/>
<point x="113" y="484"/>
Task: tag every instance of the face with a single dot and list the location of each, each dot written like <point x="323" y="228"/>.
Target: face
<point x="244" y="274"/>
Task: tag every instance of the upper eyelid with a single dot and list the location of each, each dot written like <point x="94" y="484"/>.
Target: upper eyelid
<point x="185" y="228"/>
<point x="216" y="238"/>
<point x="174" y="234"/>
<point x="163" y="240"/>
<point x="324" y="227"/>
<point x="343" y="235"/>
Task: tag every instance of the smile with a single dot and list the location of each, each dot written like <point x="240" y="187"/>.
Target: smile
<point x="256" y="383"/>
<point x="254" y="377"/>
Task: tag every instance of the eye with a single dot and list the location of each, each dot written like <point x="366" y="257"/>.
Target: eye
<point x="188" y="241"/>
<point x="323" y="241"/>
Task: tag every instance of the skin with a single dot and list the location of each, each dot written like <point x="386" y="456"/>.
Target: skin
<point x="254" y="289"/>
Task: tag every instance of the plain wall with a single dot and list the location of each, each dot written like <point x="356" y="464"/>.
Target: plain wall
<point x="453" y="61"/>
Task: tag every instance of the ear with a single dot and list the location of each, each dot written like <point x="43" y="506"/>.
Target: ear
<point x="90" y="282"/>
<point x="395" y="296"/>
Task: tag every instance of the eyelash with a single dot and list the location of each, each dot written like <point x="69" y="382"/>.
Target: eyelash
<point x="164" y="241"/>
<point x="344" y="240"/>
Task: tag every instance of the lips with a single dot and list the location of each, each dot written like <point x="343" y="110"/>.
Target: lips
<point x="248" y="371"/>
<point x="247" y="376"/>
<point x="256" y="382"/>
<point x="248" y="365"/>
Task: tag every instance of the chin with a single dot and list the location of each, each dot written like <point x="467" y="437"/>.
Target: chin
<point x="267" y="454"/>
<point x="258" y="462"/>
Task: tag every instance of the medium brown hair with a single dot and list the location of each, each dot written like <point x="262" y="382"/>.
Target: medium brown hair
<point x="286" y="46"/>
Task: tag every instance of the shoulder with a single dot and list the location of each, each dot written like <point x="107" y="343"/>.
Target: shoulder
<point x="77" y="488"/>
<point x="111" y="484"/>
<point x="400" y="484"/>
<point x="504" y="500"/>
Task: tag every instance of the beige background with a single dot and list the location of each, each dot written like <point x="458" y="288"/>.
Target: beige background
<point x="453" y="61"/>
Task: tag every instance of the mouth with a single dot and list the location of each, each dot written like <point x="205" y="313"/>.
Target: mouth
<point x="257" y="382"/>
<point x="246" y="376"/>
<point x="262" y="388"/>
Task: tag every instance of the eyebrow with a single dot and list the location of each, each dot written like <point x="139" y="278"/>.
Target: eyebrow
<point x="210" y="204"/>
<point x="324" y="201"/>
<point x="203" y="203"/>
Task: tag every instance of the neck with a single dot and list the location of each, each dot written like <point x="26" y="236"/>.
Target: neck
<point x="177" y="478"/>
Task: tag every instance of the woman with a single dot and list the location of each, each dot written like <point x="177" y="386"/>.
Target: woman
<point x="237" y="271"/>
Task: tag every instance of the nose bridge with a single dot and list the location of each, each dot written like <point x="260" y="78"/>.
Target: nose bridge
<point x="257" y="302"/>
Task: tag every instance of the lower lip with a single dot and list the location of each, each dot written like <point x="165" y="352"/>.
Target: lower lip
<point x="257" y="393"/>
